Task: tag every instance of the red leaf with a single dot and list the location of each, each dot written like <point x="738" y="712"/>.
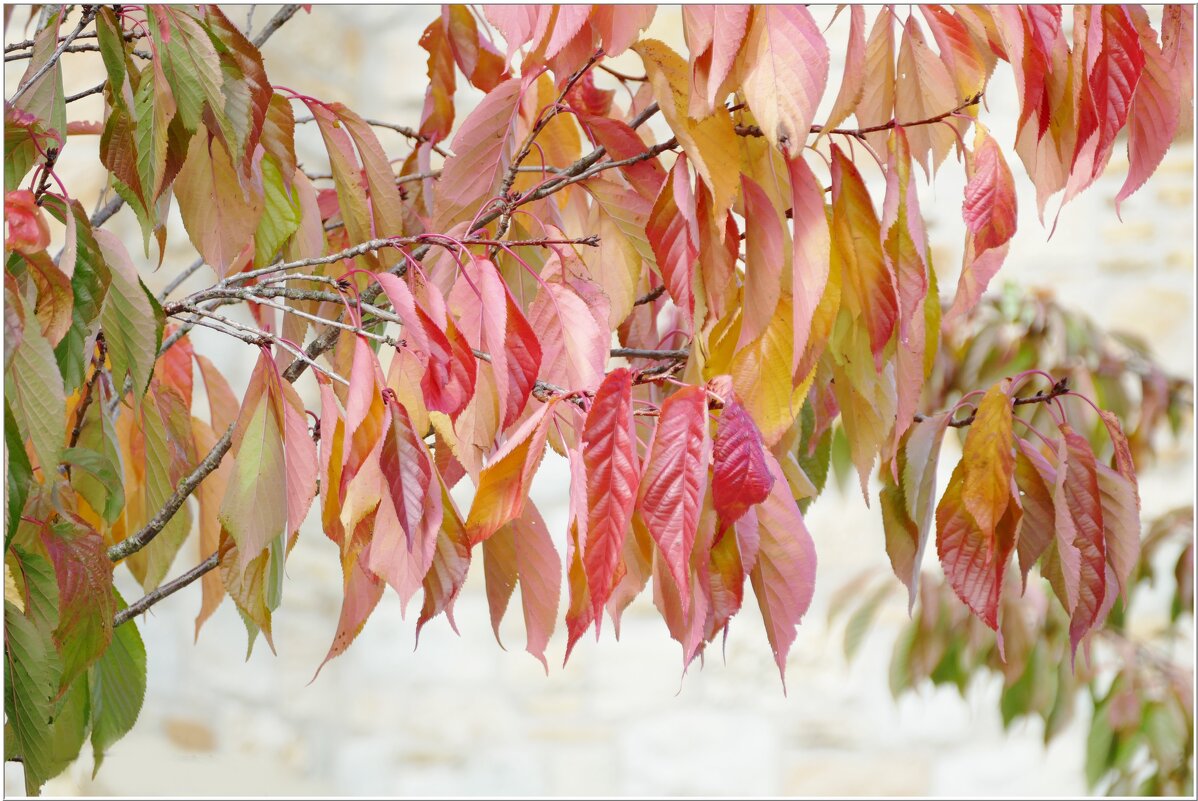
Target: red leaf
<point x="83" y="573"/>
<point x="974" y="559"/>
<point x="27" y="229"/>
<point x="675" y="480"/>
<point x="1035" y="479"/>
<point x="990" y="212"/>
<point x="621" y="142"/>
<point x="1081" y="494"/>
<point x="740" y="476"/>
<point x="812" y="249"/>
<point x="1153" y="117"/>
<point x="612" y="472"/>
<point x="673" y="236"/>
<point x="451" y="560"/>
<point x="765" y="260"/>
<point x="783" y="570"/>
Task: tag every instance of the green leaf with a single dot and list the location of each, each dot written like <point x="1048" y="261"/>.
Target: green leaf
<point x="112" y="53"/>
<point x="1099" y="746"/>
<point x="38" y="586"/>
<point x="68" y="729"/>
<point x="33" y="389"/>
<point x="106" y="492"/>
<point x="117" y="686"/>
<point x="19" y="153"/>
<point x="128" y="319"/>
<point x="858" y="624"/>
<point x="815" y="465"/>
<point x="154" y="108"/>
<point x="189" y="61"/>
<point x="90" y="277"/>
<point x="281" y="214"/>
<point x="18" y="475"/>
<point x="30" y="680"/>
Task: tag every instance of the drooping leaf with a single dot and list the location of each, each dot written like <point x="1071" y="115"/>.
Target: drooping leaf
<point x="990" y="213"/>
<point x="766" y="273"/>
<point x="219" y="217"/>
<point x="573" y="345"/>
<point x="709" y="143"/>
<point x="740" y="476"/>
<point x="33" y="391"/>
<point x="1082" y="497"/>
<point x="363" y="590"/>
<point x="675" y="480"/>
<point x="907" y="506"/>
<point x="786" y="70"/>
<point x="116" y="689"/>
<point x="672" y="234"/>
<point x="783" y="572"/>
<point x="714" y="36"/>
<point x="613" y="475"/>
<point x="84" y="575"/>
<point x="503" y="485"/>
<point x="30" y="682"/>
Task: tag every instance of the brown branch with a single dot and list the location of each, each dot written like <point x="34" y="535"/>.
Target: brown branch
<point x="89" y="12"/>
<point x="410" y="133"/>
<point x="1060" y="388"/>
<point x="76" y="48"/>
<point x="133" y="544"/>
<point x="622" y="76"/>
<point x="505" y="186"/>
<point x="28" y="43"/>
<point x="277" y="21"/>
<point x="95" y="90"/>
<point x="170" y="588"/>
<point x="650" y="296"/>
<point x="88" y="391"/>
<point x="859" y="133"/>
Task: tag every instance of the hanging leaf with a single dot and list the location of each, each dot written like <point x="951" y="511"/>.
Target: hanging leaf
<point x="613" y="473"/>
<point x="740" y="476"/>
<point x="675" y="480"/>
<point x="786" y="70"/>
<point x="504" y="482"/>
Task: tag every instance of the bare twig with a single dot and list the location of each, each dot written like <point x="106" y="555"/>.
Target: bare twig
<point x="77" y="48"/>
<point x="277" y="21"/>
<point x="859" y="133"/>
<point x="88" y="390"/>
<point x="133" y="544"/>
<point x="170" y="588"/>
<point x="650" y="296"/>
<point x="1061" y="387"/>
<point x="95" y="90"/>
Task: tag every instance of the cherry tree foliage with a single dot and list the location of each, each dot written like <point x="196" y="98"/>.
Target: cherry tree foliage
<point x="689" y="322"/>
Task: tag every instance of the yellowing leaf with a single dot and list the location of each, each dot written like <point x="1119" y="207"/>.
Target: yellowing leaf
<point x="786" y="69"/>
<point x="503" y="484"/>
<point x="218" y="216"/>
<point x="761" y="375"/>
<point x="710" y="143"/>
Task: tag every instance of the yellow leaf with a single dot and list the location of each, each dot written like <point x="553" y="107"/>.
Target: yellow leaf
<point x="711" y="143"/>
<point x="761" y="375"/>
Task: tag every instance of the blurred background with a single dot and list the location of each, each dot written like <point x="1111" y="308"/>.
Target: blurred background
<point x="462" y="716"/>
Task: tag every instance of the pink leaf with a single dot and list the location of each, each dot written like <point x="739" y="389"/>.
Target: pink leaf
<point x="783" y="571"/>
<point x="675" y="480"/>
<point x="363" y="590"/>
<point x="812" y="249"/>
<point x="764" y="261"/>
<point x="1153" y="118"/>
<point x="575" y="347"/>
<point x="786" y="70"/>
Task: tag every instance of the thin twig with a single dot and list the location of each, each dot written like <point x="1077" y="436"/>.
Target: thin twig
<point x="1061" y="387"/>
<point x="88" y="391"/>
<point x="859" y="133"/>
<point x="170" y="588"/>
<point x="95" y="90"/>
<point x="89" y="13"/>
<point x="77" y="48"/>
<point x="650" y="296"/>
<point x="133" y="544"/>
<point x="281" y="16"/>
<point x="178" y="280"/>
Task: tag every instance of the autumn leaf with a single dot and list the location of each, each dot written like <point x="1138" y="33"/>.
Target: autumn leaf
<point x="786" y="70"/>
<point x="613" y="473"/>
<point x="503" y="483"/>
<point x="740" y="476"/>
<point x="675" y="480"/>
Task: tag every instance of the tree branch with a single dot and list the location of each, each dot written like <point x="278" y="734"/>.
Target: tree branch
<point x="859" y="133"/>
<point x="170" y="588"/>
<point x="1060" y="388"/>
<point x="277" y="21"/>
<point x="133" y="544"/>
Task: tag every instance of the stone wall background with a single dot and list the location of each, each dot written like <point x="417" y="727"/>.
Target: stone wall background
<point x="462" y="716"/>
